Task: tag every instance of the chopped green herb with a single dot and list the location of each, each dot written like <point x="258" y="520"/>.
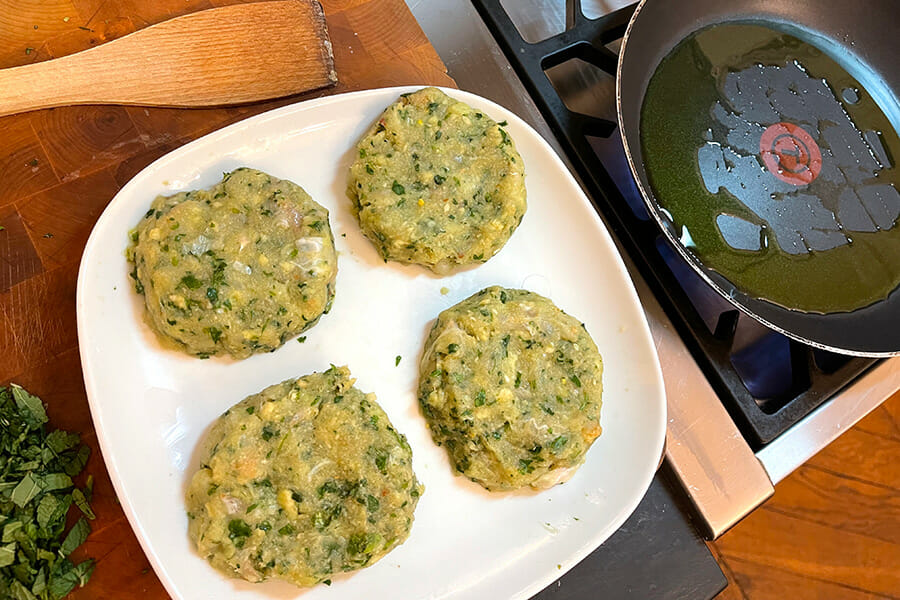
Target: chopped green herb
<point x="557" y="444"/>
<point x="397" y="360"/>
<point x="81" y="501"/>
<point x="363" y="543"/>
<point x="214" y="333"/>
<point x="36" y="493"/>
<point x="452" y="348"/>
<point x="526" y="465"/>
<point x="381" y="457"/>
<point x="268" y="433"/>
<point x="397" y="188"/>
<point x="301" y="339"/>
<point x="238" y="528"/>
<point x="76" y="536"/>
<point x="323" y="518"/>
<point x="191" y="282"/>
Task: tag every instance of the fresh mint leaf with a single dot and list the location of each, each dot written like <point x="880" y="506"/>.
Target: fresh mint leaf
<point x="59" y="441"/>
<point x="7" y="554"/>
<point x="46" y="510"/>
<point x="20" y="592"/>
<point x="9" y="531"/>
<point x="66" y="576"/>
<point x="36" y="494"/>
<point x="83" y="504"/>
<point x="74" y="463"/>
<point x="30" y="407"/>
<point x="54" y="481"/>
<point x="27" y="489"/>
<point x="40" y="582"/>
<point x="76" y="536"/>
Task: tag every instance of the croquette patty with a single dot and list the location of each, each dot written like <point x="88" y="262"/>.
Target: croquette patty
<point x="437" y="183"/>
<point x="510" y="385"/>
<point x="303" y="480"/>
<point x="237" y="268"/>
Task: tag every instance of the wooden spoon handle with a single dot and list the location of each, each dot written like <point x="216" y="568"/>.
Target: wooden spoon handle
<point x="228" y="55"/>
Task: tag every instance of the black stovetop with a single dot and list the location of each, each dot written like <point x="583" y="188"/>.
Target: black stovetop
<point x="766" y="381"/>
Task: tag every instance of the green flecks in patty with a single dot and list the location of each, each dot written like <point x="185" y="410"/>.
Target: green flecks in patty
<point x="191" y="282"/>
<point x="462" y="175"/>
<point x="319" y="489"/>
<point x="518" y="400"/>
<point x="237" y="268"/>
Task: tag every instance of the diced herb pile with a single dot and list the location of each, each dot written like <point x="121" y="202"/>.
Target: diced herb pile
<point x="36" y="492"/>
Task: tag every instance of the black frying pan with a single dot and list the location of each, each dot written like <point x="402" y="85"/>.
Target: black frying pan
<point x="873" y="27"/>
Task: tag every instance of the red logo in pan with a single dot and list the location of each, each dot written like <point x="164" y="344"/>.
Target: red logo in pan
<point x="790" y="153"/>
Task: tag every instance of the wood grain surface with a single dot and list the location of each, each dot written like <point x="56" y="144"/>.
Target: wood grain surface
<point x="60" y="167"/>
<point x="832" y="529"/>
<point x="221" y="56"/>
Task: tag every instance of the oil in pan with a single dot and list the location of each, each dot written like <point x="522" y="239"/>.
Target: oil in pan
<point x="776" y="166"/>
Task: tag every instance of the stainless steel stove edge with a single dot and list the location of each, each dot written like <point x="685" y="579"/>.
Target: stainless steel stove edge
<point x="705" y="450"/>
<point x="822" y="426"/>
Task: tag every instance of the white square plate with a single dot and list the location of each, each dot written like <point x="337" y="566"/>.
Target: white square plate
<point x="152" y="405"/>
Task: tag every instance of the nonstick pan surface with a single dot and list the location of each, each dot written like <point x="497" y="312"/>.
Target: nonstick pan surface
<point x="863" y="38"/>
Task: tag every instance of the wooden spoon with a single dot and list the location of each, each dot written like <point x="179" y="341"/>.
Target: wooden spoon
<point x="228" y="55"/>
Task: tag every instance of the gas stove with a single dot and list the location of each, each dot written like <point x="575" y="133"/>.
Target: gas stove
<point x="746" y="404"/>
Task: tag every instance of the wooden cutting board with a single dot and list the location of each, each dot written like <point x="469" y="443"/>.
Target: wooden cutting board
<point x="60" y="167"/>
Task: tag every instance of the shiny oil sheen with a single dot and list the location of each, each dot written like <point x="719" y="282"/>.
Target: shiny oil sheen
<point x="776" y="168"/>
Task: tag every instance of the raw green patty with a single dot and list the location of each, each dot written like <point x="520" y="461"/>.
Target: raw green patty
<point x="510" y="385"/>
<point x="305" y="479"/>
<point x="437" y="183"/>
<point x="237" y="268"/>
